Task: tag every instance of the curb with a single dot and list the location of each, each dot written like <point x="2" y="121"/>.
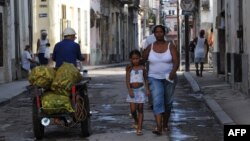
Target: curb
<point x="4" y="101"/>
<point x="222" y="116"/>
<point x="219" y="113"/>
<point x="192" y="82"/>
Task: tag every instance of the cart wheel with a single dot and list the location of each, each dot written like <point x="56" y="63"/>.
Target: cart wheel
<point x="86" y="124"/>
<point x="38" y="128"/>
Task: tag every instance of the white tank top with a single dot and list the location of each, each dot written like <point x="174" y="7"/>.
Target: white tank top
<point x="160" y="64"/>
<point x="43" y="45"/>
<point x="199" y="51"/>
<point x="136" y="76"/>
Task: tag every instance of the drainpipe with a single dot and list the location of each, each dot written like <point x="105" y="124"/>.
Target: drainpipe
<point x="178" y="26"/>
<point x="17" y="38"/>
<point x="30" y="22"/>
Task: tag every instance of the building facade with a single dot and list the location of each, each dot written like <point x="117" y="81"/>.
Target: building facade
<point x="54" y="16"/>
<point x="170" y="19"/>
<point x="231" y="42"/>
<point x="114" y="30"/>
<point x="15" y="33"/>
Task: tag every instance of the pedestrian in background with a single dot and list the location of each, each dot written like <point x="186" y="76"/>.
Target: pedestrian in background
<point x="200" y="52"/>
<point x="41" y="48"/>
<point x="211" y="48"/>
<point x="191" y="50"/>
<point x="67" y="50"/>
<point x="163" y="61"/>
<point x="138" y="90"/>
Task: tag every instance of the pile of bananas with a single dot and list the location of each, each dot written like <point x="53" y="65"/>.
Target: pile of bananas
<point x="42" y="76"/>
<point x="53" y="103"/>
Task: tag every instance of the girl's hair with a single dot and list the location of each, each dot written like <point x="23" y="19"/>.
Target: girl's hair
<point x="136" y="52"/>
<point x="159" y="26"/>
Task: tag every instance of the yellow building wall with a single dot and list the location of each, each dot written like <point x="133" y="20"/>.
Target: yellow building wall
<point x="76" y="15"/>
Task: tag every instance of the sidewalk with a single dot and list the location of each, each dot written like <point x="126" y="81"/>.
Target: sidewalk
<point x="12" y="89"/>
<point x="230" y="106"/>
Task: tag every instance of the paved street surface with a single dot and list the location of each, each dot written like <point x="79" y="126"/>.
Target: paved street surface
<point x="191" y="119"/>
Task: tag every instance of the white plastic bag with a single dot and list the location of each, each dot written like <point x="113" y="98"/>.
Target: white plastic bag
<point x="47" y="53"/>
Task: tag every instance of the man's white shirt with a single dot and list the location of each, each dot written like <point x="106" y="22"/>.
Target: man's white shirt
<point x="25" y="60"/>
<point x="149" y="40"/>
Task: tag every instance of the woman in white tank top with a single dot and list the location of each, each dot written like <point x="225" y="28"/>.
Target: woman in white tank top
<point x="200" y="52"/>
<point x="163" y="62"/>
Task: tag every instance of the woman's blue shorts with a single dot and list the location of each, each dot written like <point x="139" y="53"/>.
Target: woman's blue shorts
<point x="162" y="92"/>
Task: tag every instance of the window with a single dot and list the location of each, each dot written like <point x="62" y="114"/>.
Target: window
<point x="79" y="25"/>
<point x="175" y="26"/>
<point x="63" y="11"/>
<point x="168" y="24"/>
<point x="64" y="22"/>
<point x="169" y="12"/>
<point x="173" y="12"/>
<point x="85" y="27"/>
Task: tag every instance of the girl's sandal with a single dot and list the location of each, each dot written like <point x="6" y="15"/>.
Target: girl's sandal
<point x="135" y="126"/>
<point x="139" y="133"/>
<point x="157" y="132"/>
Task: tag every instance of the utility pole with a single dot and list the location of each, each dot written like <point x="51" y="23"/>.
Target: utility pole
<point x="187" y="8"/>
<point x="186" y="43"/>
<point x="145" y="16"/>
<point x="178" y="25"/>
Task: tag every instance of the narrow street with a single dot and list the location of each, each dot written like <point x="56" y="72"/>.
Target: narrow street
<point x="191" y="119"/>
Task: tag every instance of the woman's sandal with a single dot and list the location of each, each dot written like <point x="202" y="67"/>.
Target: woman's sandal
<point x="135" y="126"/>
<point x="157" y="132"/>
<point x="165" y="129"/>
<point x="139" y="133"/>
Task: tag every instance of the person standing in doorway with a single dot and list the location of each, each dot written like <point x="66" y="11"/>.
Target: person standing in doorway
<point x="200" y="52"/>
<point x="211" y="48"/>
<point x="41" y="48"/>
<point x="163" y="60"/>
<point x="138" y="90"/>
